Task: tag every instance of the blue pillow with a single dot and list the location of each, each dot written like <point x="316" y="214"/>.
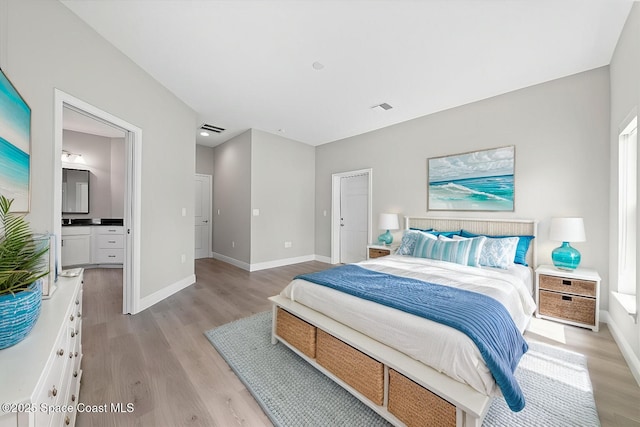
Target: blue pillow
<point x="448" y="233"/>
<point x="521" y="249"/>
<point x="408" y="243"/>
<point x="464" y="252"/>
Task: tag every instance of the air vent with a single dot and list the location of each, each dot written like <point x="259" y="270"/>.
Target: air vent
<point x="384" y="106"/>
<point x="212" y="128"/>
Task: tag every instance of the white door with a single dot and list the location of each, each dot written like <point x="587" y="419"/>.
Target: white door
<point x="202" y="214"/>
<point x="354" y="204"/>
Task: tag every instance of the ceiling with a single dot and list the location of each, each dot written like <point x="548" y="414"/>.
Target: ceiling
<point x="73" y="120"/>
<point x="244" y="64"/>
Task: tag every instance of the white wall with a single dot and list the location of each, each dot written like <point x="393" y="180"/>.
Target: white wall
<point x="625" y="98"/>
<point x="560" y="130"/>
<point x="232" y="197"/>
<point x="282" y="189"/>
<point x="45" y="46"/>
<point x="118" y="175"/>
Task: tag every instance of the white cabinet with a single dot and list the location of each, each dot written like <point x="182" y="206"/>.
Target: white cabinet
<point x="96" y="244"/>
<point x="108" y="245"/>
<point x="44" y="370"/>
<point x="76" y="246"/>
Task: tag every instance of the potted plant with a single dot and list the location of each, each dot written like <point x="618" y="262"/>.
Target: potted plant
<point x="22" y="265"/>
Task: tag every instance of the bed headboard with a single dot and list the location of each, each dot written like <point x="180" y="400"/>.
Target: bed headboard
<point x="497" y="227"/>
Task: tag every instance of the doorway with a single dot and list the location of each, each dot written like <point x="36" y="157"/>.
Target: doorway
<point x="202" y="213"/>
<point x="132" y="185"/>
<point x="351" y="212"/>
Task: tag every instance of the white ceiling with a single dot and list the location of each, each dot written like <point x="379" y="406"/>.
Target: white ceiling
<point x="244" y="64"/>
<point x="72" y="120"/>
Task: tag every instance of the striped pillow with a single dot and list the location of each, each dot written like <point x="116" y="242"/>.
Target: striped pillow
<point x="464" y="252"/>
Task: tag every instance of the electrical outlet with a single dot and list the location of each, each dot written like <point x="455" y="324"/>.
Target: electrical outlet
<point x="287" y="244"/>
<point x="184" y="258"/>
<point x="233" y="244"/>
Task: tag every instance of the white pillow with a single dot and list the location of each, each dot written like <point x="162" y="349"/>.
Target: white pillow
<point x="409" y="239"/>
<point x="499" y="252"/>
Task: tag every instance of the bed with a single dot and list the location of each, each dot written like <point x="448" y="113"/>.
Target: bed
<point x="410" y="370"/>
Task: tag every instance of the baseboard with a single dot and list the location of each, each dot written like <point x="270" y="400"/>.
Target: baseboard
<point x="322" y="258"/>
<point x="270" y="264"/>
<point x="165" y="292"/>
<point x="240" y="264"/>
<point x="627" y="352"/>
<point x="281" y="262"/>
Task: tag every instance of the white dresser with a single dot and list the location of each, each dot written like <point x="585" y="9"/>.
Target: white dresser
<point x="92" y="245"/>
<point x="40" y="376"/>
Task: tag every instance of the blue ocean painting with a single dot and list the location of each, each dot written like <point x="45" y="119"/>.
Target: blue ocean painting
<point x="15" y="129"/>
<point x="482" y="180"/>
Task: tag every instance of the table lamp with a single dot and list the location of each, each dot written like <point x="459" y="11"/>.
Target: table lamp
<point x="566" y="230"/>
<point x="387" y="222"/>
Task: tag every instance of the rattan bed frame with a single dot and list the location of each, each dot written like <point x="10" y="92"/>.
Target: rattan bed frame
<point x="396" y="386"/>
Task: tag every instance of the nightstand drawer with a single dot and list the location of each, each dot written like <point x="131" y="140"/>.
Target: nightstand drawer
<point x="569" y="307"/>
<point x="570" y="286"/>
<point x="377" y="253"/>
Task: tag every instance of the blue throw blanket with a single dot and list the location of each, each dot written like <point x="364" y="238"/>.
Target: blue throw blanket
<point x="482" y="318"/>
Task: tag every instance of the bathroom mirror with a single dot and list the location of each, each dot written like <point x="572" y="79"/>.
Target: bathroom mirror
<point x="75" y="191"/>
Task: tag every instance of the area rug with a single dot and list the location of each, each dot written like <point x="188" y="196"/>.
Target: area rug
<point x="292" y="393"/>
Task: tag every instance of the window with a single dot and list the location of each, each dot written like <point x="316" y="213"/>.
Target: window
<point x="627" y="208"/>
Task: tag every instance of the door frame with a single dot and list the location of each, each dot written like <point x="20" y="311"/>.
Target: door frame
<point x="335" y="209"/>
<point x="210" y="223"/>
<point x="132" y="202"/>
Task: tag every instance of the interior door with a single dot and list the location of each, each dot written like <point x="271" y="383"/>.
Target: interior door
<point x="202" y="214"/>
<point x="354" y="202"/>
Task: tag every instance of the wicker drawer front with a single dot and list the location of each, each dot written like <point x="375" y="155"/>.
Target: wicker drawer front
<point x="296" y="332"/>
<point x="571" y="286"/>
<point x="353" y="367"/>
<point x="569" y="307"/>
<point x="377" y="253"/>
<point x="416" y="406"/>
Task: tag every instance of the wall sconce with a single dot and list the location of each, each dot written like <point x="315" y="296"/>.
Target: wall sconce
<point x="68" y="157"/>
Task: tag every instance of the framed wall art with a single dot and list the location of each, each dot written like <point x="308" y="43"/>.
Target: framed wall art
<point x="15" y="146"/>
<point x="475" y="181"/>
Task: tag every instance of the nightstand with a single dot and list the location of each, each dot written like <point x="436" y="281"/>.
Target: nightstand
<point x="376" y="251"/>
<point x="570" y="297"/>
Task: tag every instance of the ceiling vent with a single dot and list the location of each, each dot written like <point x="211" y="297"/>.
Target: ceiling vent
<point x="212" y="128"/>
<point x="382" y="107"/>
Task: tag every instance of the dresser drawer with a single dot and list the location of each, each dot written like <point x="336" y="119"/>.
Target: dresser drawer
<point x="568" y="307"/>
<point x="566" y="285"/>
<point x="110" y="256"/>
<point x="106" y="241"/>
<point x="377" y="253"/>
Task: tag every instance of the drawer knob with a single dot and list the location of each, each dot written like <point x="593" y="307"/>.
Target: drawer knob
<point x="71" y="318"/>
<point x="54" y="391"/>
<point x="76" y="354"/>
<point x="79" y="314"/>
<point x="566" y="282"/>
<point x="77" y="302"/>
<point x="566" y="298"/>
<point x="67" y="420"/>
<point x="61" y="352"/>
<point x="73" y="397"/>
<point x="73" y="334"/>
<point x="75" y="374"/>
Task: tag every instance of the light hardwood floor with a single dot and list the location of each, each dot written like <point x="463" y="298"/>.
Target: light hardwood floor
<point x="160" y="360"/>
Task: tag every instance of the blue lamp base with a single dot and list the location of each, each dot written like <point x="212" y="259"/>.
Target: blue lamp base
<point x="566" y="257"/>
<point x="385" y="238"/>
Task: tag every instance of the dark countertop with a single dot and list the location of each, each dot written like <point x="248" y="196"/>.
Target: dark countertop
<point x="70" y="222"/>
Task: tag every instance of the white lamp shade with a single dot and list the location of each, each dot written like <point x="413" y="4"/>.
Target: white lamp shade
<point x="567" y="230"/>
<point x="388" y="222"/>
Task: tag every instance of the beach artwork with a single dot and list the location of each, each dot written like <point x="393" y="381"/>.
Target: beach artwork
<point x="476" y="181"/>
<point x="15" y="137"/>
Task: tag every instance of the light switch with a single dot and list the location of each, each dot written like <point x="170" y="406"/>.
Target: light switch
<point x="184" y="211"/>
<point x="256" y="212"/>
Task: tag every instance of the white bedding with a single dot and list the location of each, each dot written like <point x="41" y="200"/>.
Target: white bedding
<point x="441" y="347"/>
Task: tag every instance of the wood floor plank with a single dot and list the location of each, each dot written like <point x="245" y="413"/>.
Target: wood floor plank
<point x="161" y="361"/>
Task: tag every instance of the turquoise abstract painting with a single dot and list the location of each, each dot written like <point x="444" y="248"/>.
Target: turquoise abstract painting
<point x="475" y="181"/>
<point x="15" y="144"/>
